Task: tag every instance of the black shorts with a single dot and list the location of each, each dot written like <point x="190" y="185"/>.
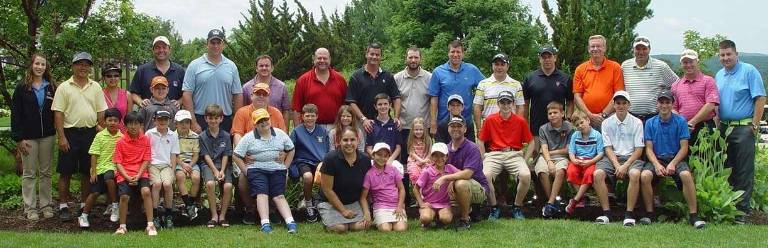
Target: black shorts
<point x="306" y="167"/>
<point x="77" y="160"/>
<point x="264" y="182"/>
<point x="100" y="187"/>
<point x="123" y="188"/>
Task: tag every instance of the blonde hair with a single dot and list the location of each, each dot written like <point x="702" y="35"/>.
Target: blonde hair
<point x="412" y="137"/>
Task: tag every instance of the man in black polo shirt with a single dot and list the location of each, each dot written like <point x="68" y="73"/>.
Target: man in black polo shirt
<point x="160" y="66"/>
<point x="369" y="81"/>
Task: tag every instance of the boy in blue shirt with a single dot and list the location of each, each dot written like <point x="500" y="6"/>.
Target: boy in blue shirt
<point x="384" y="130"/>
<point x="584" y="150"/>
<point x="311" y="144"/>
<point x="215" y="150"/>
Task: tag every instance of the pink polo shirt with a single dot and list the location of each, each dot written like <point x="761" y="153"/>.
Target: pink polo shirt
<point x="382" y="186"/>
<point x="438" y="199"/>
<point x="691" y="95"/>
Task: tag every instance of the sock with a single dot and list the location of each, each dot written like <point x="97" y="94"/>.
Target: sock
<point x="168" y="212"/>
<point x="289" y="220"/>
<point x="693" y="217"/>
<point x="123" y="226"/>
<point x="62" y="205"/>
<point x="650" y="215"/>
<point x="607" y="212"/>
<point x="185" y="199"/>
<point x="150" y="224"/>
<point x="264" y="221"/>
<point x="114" y="205"/>
<point x="628" y="215"/>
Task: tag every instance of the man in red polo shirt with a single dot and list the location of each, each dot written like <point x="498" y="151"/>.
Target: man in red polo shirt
<point x="322" y="86"/>
<point x="504" y="134"/>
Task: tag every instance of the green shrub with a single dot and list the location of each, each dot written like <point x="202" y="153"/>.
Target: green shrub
<point x="10" y="191"/>
<point x="759" y="199"/>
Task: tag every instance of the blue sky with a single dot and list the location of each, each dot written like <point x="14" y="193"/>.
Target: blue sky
<point x="739" y="20"/>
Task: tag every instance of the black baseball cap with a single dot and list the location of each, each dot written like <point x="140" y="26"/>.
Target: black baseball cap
<point x="215" y="34"/>
<point x="547" y="49"/>
<point x="666" y="94"/>
<point x="500" y="56"/>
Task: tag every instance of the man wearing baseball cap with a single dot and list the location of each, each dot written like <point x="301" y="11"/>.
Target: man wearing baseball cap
<point x="696" y="95"/>
<point x="455" y="108"/>
<point x="78" y="107"/>
<point x="212" y="78"/>
<point x="161" y="65"/>
<point x="644" y="78"/>
<point x="159" y="101"/>
<point x="488" y="90"/>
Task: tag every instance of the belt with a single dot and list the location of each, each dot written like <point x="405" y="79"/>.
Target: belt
<point x="80" y="129"/>
<point x="505" y="149"/>
<point x="644" y="116"/>
<point x="742" y="122"/>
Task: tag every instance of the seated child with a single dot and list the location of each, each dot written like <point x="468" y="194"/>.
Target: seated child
<point x="165" y="149"/>
<point x="132" y="155"/>
<point x="554" y="138"/>
<point x="187" y="164"/>
<point x="418" y="145"/>
<point x="102" y="167"/>
<point x="216" y="148"/>
<point x="312" y="144"/>
<point x="584" y="150"/>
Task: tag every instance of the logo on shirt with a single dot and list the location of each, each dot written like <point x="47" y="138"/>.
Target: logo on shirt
<point x="175" y="83"/>
<point x="319" y="139"/>
<point x="222" y="144"/>
<point x="558" y="83"/>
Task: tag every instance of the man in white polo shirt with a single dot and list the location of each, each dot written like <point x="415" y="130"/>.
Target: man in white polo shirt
<point x="644" y="78"/>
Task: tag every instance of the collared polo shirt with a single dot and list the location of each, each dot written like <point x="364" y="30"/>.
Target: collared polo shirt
<point x="347" y="178"/>
<point x="384" y="132"/>
<point x="278" y="94"/>
<point x="148" y="112"/>
<point x="556" y="138"/>
<point x="212" y="83"/>
<point x="440" y="198"/>
<point x="328" y="96"/>
<point x="79" y="105"/>
<point x="243" y="123"/>
<point x="382" y="186"/>
<point x="467" y="156"/>
<point x="540" y="90"/>
<point x="586" y="147"/>
<point x="597" y="85"/>
<point x="264" y="150"/>
<point x="363" y="88"/>
<point x="103" y="147"/>
<point x="216" y="147"/>
<point x="311" y="146"/>
<point x="446" y="82"/>
<point x="738" y="89"/>
<point x="501" y="133"/>
<point x="692" y="94"/>
<point x="414" y="97"/>
<point x="163" y="145"/>
<point x="666" y="134"/>
<point x="142" y="80"/>
<point x="623" y="136"/>
<point x="189" y="145"/>
<point x="131" y="153"/>
<point x="488" y="90"/>
<point x="645" y="83"/>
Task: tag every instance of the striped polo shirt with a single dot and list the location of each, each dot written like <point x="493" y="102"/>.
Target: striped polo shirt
<point x="691" y="94"/>
<point x="645" y="83"/>
<point x="488" y="90"/>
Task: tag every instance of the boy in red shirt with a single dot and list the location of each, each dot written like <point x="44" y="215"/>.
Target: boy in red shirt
<point x="132" y="155"/>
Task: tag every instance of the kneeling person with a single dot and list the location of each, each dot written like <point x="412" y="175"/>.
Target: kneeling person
<point x="132" y="155"/>
<point x="666" y="145"/>
<point x="385" y="184"/>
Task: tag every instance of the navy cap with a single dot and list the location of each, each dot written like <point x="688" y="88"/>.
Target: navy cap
<point x="215" y="34"/>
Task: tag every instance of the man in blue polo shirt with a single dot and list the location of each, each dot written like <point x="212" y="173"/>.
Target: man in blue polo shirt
<point x="742" y="96"/>
<point x="212" y="78"/>
<point x="453" y="77"/>
<point x="666" y="146"/>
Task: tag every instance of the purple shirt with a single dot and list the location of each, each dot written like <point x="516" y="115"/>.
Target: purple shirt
<point x="440" y="198"/>
<point x="691" y="95"/>
<point x="382" y="186"/>
<point x="278" y="95"/>
<point x="467" y="156"/>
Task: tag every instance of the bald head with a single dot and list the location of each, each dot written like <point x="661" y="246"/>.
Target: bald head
<point x="322" y="59"/>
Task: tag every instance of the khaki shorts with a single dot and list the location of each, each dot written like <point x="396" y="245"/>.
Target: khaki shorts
<point x="476" y="191"/>
<point x="161" y="173"/>
<point x="543" y="167"/>
<point x="381" y="216"/>
<point x="511" y="161"/>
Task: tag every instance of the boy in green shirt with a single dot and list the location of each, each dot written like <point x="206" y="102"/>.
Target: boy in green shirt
<point x="102" y="168"/>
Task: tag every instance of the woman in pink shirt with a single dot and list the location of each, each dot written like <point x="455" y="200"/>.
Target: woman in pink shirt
<point x="385" y="184"/>
<point x="115" y="96"/>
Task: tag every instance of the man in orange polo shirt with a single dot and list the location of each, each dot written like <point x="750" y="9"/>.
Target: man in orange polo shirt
<point x="595" y="81"/>
<point x="505" y="133"/>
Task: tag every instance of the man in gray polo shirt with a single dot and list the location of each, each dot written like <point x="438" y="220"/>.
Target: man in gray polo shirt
<point x="412" y="83"/>
<point x="644" y="78"/>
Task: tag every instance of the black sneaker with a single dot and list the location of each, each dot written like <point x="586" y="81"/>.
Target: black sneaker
<point x="462" y="225"/>
<point x="157" y="221"/>
<point x="168" y="221"/>
<point x="740" y="220"/>
<point x="312" y="214"/>
<point x="249" y="218"/>
<point x="64" y="214"/>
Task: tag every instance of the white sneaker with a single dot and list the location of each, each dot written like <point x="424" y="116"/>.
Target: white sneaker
<point x="602" y="220"/>
<point x="302" y="204"/>
<point x="151" y="230"/>
<point x="115" y="214"/>
<point x="83" y="221"/>
<point x="629" y="222"/>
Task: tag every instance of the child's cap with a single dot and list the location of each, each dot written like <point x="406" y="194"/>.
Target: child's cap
<point x="439" y="147"/>
<point x="159" y="80"/>
<point x="455" y="97"/>
<point x="506" y="95"/>
<point x="378" y="146"/>
<point x="621" y="94"/>
<point x="259" y="114"/>
<point x="183" y="115"/>
<point x="261" y="87"/>
<point x="162" y="114"/>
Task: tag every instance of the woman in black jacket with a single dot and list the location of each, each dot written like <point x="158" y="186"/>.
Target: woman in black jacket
<point x="32" y="129"/>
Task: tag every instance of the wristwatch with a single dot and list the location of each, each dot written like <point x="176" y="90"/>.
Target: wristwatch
<point x="604" y="115"/>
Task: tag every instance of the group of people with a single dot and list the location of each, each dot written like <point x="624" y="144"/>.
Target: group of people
<point x="368" y="142"/>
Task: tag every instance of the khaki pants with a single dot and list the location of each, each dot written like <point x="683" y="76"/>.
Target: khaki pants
<point x="38" y="160"/>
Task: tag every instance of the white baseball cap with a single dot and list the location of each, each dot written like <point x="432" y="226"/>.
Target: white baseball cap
<point x="161" y="39"/>
<point x="183" y="115"/>
<point x="439" y="147"/>
<point x="381" y="145"/>
<point x="641" y="40"/>
<point x="623" y="94"/>
<point x="690" y="54"/>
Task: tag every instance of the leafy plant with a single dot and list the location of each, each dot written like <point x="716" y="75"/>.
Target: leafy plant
<point x="759" y="199"/>
<point x="10" y="191"/>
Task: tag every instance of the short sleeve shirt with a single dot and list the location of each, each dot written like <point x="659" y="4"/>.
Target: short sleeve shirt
<point x="430" y="174"/>
<point x="645" y="83"/>
<point x="278" y="95"/>
<point x="666" y="134"/>
<point x="264" y="150"/>
<point x="163" y="145"/>
<point x="446" y="82"/>
<point x="347" y="179"/>
<point x="488" y="90"/>
<point x="382" y="186"/>
<point x="413" y="96"/>
<point x="189" y="145"/>
<point x="692" y="94"/>
<point x="328" y="96"/>
<point x="216" y="147"/>
<point x="586" y="147"/>
<point x="597" y="85"/>
<point x="243" y="123"/>
<point x="363" y="88"/>
<point x="501" y="134"/>
<point x="103" y="147"/>
<point x="541" y="89"/>
<point x="623" y="136"/>
<point x="556" y="138"/>
<point x="142" y="80"/>
<point x="131" y="153"/>
<point x="738" y="88"/>
<point x="212" y="83"/>
<point x="467" y="156"/>
<point x="79" y="105"/>
<point x="384" y="132"/>
<point x="148" y="112"/>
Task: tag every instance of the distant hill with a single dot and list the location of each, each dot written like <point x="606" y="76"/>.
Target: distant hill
<point x="759" y="60"/>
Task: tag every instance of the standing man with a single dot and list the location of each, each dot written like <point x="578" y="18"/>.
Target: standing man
<point x="595" y="81"/>
<point x="743" y="96"/>
<point x="453" y="77"/>
<point x="412" y="83"/>
<point x="212" y="78"/>
<point x="696" y="95"/>
<point x="78" y="107"/>
<point x="644" y="78"/>
<point x="321" y="86"/>
<point x="488" y="90"/>
<point x="366" y="83"/>
<point x="160" y="66"/>
<point x="278" y="97"/>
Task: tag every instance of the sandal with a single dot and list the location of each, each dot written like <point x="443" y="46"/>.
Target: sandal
<point x="224" y="223"/>
<point x="212" y="223"/>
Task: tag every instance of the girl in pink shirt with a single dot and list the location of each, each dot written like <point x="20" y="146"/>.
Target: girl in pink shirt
<point x="418" y="145"/>
<point x="385" y="185"/>
<point x="433" y="199"/>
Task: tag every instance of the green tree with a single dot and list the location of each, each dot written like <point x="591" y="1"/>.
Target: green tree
<point x="575" y="20"/>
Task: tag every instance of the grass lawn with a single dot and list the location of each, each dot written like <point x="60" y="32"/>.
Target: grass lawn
<point x="5" y="121"/>
<point x="529" y="233"/>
